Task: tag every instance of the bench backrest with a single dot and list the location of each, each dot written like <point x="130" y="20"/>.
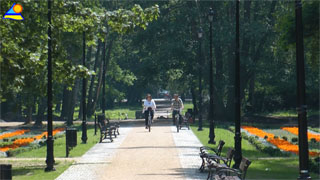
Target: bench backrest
<point x="108" y="121"/>
<point x="219" y="147"/>
<point x="245" y="163"/>
<point x="101" y="121"/>
<point x="229" y="156"/>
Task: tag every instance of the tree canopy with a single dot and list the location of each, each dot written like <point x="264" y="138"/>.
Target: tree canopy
<point x="145" y="46"/>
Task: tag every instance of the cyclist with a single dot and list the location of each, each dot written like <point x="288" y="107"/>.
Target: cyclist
<point x="148" y="103"/>
<point x="177" y="107"/>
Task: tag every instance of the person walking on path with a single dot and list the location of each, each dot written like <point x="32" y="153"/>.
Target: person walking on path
<point x="148" y="103"/>
<point x="177" y="107"/>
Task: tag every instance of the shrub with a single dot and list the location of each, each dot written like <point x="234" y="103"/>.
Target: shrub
<point x="265" y="137"/>
<point x="272" y="151"/>
<point x="313" y="140"/>
<point x="285" y="138"/>
<point x="314" y="166"/>
<point x="276" y="137"/>
<point x="294" y="140"/>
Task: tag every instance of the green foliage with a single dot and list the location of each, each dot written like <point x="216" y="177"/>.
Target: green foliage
<point x="314" y="165"/>
<point x="123" y="21"/>
<point x="294" y="140"/>
<point x="285" y="138"/>
<point x="24" y="45"/>
<point x="164" y="54"/>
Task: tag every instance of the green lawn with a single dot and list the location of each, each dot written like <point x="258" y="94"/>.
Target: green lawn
<point x="289" y="113"/>
<point x="262" y="167"/>
<point x="129" y="110"/>
<point x="282" y="168"/>
<point x="187" y="105"/>
<point x="34" y="169"/>
<point x="315" y="129"/>
<point x="60" y="146"/>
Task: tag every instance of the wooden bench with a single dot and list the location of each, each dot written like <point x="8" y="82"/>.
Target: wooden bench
<point x="106" y="131"/>
<point x="114" y="127"/>
<point x="204" y="153"/>
<point x="234" y="174"/>
<point x="213" y="162"/>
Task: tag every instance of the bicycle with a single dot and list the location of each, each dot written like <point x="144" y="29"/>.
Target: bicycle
<point x="177" y="120"/>
<point x="149" y="119"/>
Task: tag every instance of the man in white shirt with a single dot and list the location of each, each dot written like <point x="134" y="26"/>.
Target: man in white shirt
<point x="148" y="105"/>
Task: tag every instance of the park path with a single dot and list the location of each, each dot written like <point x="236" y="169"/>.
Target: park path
<point x="146" y="155"/>
<point x="138" y="154"/>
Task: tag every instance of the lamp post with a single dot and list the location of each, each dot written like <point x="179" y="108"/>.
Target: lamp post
<point x="301" y="102"/>
<point x="211" y="133"/>
<point x="84" y="90"/>
<point x="237" y="102"/>
<point x="200" y="33"/>
<point x="49" y="158"/>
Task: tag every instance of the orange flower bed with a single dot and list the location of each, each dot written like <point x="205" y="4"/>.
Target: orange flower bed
<point x="23" y="142"/>
<point x="280" y="143"/>
<point x="295" y="130"/>
<point x="14" y="133"/>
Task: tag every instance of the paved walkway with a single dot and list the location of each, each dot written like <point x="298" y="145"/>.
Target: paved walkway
<point x="138" y="154"/>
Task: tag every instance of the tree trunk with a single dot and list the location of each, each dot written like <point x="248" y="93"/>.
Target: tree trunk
<point x="74" y="93"/>
<point x="29" y="114"/>
<point x="58" y="107"/>
<point x="256" y="54"/>
<point x="90" y="94"/>
<point x="41" y="111"/>
<point x="80" y="108"/>
<point x="89" y="54"/>
<point x="219" y="108"/>
<point x="101" y="70"/>
<point x="244" y="53"/>
<point x="194" y="102"/>
<point x="231" y="67"/>
<point x="65" y="103"/>
<point x="251" y="91"/>
<point x="98" y="88"/>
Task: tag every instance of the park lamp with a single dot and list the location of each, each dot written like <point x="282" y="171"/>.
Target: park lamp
<point x="200" y="33"/>
<point x="210" y="16"/>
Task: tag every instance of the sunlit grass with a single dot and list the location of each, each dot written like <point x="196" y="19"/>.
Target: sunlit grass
<point x="34" y="169"/>
<point x="289" y="113"/>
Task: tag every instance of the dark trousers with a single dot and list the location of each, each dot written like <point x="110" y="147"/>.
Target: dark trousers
<point x="146" y="115"/>
<point x="174" y="112"/>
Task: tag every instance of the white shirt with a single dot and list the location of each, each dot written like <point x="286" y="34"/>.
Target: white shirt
<point x="148" y="104"/>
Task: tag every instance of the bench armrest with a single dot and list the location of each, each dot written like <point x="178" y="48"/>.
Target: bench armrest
<point x="217" y="158"/>
<point x="224" y="170"/>
<point x="206" y="148"/>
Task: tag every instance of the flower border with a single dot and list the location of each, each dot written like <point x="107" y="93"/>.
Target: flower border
<point x="295" y="131"/>
<point x="280" y="143"/>
<point x="26" y="141"/>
